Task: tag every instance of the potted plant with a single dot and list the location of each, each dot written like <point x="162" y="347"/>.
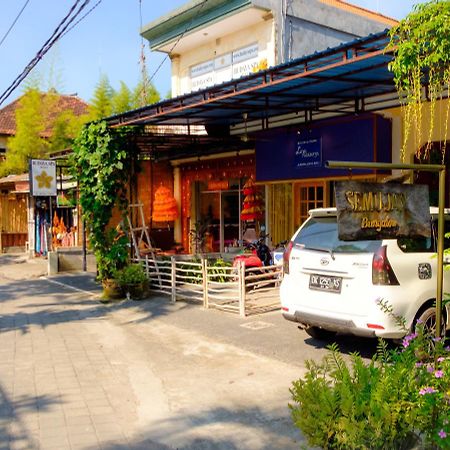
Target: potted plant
<point x="111" y="256"/>
<point x="133" y="281"/>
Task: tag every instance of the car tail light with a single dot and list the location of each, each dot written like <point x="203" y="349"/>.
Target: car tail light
<point x="286" y="255"/>
<point x="382" y="272"/>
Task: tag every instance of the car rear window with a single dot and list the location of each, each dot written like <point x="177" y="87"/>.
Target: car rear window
<point x="321" y="233"/>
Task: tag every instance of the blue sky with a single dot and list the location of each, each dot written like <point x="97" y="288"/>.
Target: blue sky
<point x="107" y="42"/>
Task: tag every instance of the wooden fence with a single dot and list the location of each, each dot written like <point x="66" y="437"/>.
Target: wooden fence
<point x="240" y="290"/>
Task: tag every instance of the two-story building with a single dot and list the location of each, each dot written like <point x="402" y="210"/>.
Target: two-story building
<point x="214" y="42"/>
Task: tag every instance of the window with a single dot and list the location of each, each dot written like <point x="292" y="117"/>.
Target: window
<point x="308" y="196"/>
<point x="321" y="233"/>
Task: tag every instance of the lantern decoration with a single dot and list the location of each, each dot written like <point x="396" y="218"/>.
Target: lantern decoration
<point x="252" y="208"/>
<point x="165" y="206"/>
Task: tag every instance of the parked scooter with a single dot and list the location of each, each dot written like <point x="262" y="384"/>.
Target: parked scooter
<point x="257" y="254"/>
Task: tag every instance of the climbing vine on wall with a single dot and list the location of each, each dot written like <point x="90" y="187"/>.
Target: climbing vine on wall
<point x="102" y="162"/>
<point x="421" y="47"/>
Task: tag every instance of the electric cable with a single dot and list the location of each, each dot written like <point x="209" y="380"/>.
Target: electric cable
<point x="14" y="22"/>
<point x="81" y="18"/>
<point x="178" y="40"/>
<point x="60" y="30"/>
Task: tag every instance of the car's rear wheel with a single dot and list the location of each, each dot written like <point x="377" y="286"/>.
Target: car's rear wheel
<point x="320" y="333"/>
<point x="427" y="319"/>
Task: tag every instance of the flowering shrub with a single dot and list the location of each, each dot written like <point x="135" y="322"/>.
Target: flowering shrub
<point x="432" y="372"/>
<point x="399" y="399"/>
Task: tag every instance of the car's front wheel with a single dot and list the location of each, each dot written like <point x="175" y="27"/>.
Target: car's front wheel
<point x="320" y="333"/>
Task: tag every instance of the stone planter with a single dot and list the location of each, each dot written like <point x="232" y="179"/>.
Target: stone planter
<point x="111" y="290"/>
<point x="135" y="291"/>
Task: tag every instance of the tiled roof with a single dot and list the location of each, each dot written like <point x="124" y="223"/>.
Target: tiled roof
<point x="64" y="103"/>
<point x="14" y="178"/>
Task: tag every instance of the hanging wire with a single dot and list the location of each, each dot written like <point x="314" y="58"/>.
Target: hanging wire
<point x="178" y="40"/>
<point x="14" y="22"/>
<point x="63" y="27"/>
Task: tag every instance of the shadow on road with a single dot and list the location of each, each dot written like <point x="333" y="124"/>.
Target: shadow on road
<point x="253" y="427"/>
<point x="58" y="300"/>
<point x="13" y="428"/>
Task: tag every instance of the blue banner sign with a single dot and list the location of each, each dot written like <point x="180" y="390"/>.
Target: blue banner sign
<point x="308" y="153"/>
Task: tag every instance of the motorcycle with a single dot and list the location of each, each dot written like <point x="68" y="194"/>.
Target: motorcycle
<point x="257" y="254"/>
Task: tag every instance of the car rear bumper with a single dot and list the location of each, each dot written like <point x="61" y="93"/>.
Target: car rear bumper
<point x="327" y="323"/>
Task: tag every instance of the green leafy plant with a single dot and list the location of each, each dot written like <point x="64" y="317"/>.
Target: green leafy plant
<point x="421" y="48"/>
<point x="218" y="270"/>
<point x="400" y="398"/>
<point x="102" y="162"/>
<point x="130" y="274"/>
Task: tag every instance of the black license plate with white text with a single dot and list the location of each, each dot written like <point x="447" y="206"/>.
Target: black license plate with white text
<point x="325" y="283"/>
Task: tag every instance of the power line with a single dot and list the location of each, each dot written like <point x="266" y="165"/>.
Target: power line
<point x="14" y="22"/>
<point x="82" y="17"/>
<point x="61" y="30"/>
<point x="178" y="40"/>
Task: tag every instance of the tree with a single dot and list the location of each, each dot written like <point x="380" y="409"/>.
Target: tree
<point x="28" y="141"/>
<point x="122" y="99"/>
<point x="101" y="104"/>
<point x="41" y="127"/>
<point x="144" y="94"/>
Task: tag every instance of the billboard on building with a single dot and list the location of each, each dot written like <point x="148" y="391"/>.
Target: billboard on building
<point x="42" y="178"/>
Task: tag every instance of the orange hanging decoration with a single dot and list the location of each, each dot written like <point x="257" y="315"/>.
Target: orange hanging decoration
<point x="164" y="206"/>
<point x="252" y="208"/>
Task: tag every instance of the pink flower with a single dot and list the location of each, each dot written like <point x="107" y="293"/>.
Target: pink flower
<point x="427" y="390"/>
<point x="440" y="359"/>
<point x="439" y="373"/>
<point x="430" y="369"/>
<point x="442" y="434"/>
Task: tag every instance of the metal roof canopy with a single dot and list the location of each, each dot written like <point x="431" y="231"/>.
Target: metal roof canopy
<point x="347" y="79"/>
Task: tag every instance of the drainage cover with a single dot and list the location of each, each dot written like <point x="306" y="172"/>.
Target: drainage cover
<point x="257" y="325"/>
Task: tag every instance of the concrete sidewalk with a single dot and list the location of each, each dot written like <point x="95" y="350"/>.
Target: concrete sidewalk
<point x="77" y="374"/>
<point x="18" y="266"/>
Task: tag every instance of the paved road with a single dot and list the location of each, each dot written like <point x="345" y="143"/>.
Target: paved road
<point x="77" y="374"/>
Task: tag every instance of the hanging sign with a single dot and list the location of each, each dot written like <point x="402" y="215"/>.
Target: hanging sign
<point x="43" y="177"/>
<point x="381" y="210"/>
<point x="220" y="185"/>
<point x="308" y="153"/>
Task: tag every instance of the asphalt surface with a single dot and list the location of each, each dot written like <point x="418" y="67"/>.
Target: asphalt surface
<point x="79" y="374"/>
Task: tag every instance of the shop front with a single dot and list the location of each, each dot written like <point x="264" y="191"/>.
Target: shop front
<point x="292" y="163"/>
<point x="212" y="203"/>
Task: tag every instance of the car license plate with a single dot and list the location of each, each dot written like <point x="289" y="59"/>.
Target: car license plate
<point x="325" y="283"/>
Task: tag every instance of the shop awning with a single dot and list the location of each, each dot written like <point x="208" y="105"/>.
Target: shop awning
<point x="350" y="78"/>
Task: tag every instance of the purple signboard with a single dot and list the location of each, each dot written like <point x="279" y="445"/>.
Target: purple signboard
<point x="301" y="152"/>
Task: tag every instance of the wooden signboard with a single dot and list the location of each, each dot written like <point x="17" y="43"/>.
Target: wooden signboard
<point x="369" y="211"/>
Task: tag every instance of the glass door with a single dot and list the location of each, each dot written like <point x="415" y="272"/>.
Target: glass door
<point x="219" y="216"/>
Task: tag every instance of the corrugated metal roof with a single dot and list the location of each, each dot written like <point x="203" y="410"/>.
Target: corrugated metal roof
<point x="340" y="80"/>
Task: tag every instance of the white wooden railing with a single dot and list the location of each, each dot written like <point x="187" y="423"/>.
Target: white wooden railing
<point x="238" y="289"/>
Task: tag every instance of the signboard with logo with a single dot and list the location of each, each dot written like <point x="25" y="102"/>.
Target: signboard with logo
<point x="382" y="210"/>
<point x="224" y="67"/>
<point x="43" y="177"/>
<point x="308" y="153"/>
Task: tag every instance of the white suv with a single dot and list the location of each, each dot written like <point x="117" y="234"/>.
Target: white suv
<point x="336" y="286"/>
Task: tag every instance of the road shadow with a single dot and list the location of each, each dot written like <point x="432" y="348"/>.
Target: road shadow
<point x="14" y="431"/>
<point x="69" y="298"/>
<point x="366" y="347"/>
<point x="220" y="429"/>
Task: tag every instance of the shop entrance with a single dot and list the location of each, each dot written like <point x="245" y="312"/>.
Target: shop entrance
<point x="219" y="211"/>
